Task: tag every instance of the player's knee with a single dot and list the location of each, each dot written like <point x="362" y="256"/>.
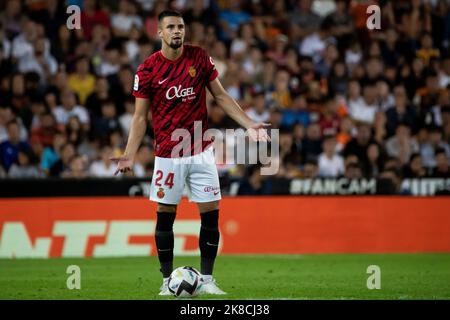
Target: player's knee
<point x="208" y="206"/>
<point x="166" y="208"/>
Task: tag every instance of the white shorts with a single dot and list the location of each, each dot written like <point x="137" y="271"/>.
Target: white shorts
<point x="197" y="173"/>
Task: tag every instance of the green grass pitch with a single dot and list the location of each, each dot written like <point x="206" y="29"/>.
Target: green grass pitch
<point x="403" y="276"/>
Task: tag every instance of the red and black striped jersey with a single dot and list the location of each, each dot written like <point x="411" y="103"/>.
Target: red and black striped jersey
<point x="177" y="93"/>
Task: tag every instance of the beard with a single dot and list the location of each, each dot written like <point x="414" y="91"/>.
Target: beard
<point x="175" y="45"/>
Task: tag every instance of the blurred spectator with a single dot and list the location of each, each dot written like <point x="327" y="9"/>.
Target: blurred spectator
<point x="401" y="146"/>
<point x="414" y="168"/>
<point x="26" y="166"/>
<point x="7" y="115"/>
<point x="66" y="153"/>
<point x="390" y="48"/>
<point x="353" y="55"/>
<point x="315" y="43"/>
<point x="286" y="144"/>
<point x="22" y="45"/>
<point x="338" y="80"/>
<point x="108" y="120"/>
<point x="298" y="134"/>
<point x="144" y="158"/>
<point x="379" y="127"/>
<point x="76" y="169"/>
<point x="244" y="41"/>
<point x="231" y="17"/>
<point x="275" y="117"/>
<point x="292" y="169"/>
<point x="126" y="118"/>
<point x="255" y="184"/>
<point x="329" y="119"/>
<point x="345" y="133"/>
<point x="69" y="108"/>
<point x="74" y="131"/>
<point x="281" y="95"/>
<point x="392" y="163"/>
<point x="44" y="132"/>
<point x="103" y="167"/>
<point x="312" y="144"/>
<point x="12" y="18"/>
<point x="304" y="20"/>
<point x="252" y="64"/>
<point x="123" y="21"/>
<point x="40" y="61"/>
<point x="199" y="13"/>
<point x="82" y="82"/>
<point x="258" y="112"/>
<point x="393" y="177"/>
<point x="297" y="113"/>
<point x="341" y="23"/>
<point x="310" y="169"/>
<point x="110" y="64"/>
<point x="359" y="144"/>
<point x="353" y="171"/>
<point x="375" y="159"/>
<point x="326" y="63"/>
<point x="385" y="98"/>
<point x="427" y="52"/>
<point x="95" y="99"/>
<point x="116" y="141"/>
<point x="364" y="109"/>
<point x="10" y="148"/>
<point x="442" y="169"/>
<point x="330" y="163"/>
<point x="444" y="73"/>
<point x="91" y="15"/>
<point x="400" y="112"/>
<point x="145" y="49"/>
<point x="51" y="154"/>
<point x="431" y="144"/>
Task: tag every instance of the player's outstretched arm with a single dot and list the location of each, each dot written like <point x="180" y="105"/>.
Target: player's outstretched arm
<point x="256" y="130"/>
<point x="137" y="131"/>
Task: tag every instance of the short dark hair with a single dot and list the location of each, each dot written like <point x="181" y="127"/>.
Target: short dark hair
<point x="440" y="151"/>
<point x="168" y="13"/>
<point x="12" y="122"/>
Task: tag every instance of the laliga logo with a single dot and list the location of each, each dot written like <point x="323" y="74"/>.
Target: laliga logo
<point x="178" y="92"/>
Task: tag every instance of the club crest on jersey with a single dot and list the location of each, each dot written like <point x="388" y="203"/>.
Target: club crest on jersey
<point x="192" y="71"/>
<point x="160" y="193"/>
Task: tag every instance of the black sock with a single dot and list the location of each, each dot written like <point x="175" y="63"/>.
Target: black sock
<point x="209" y="240"/>
<point x="164" y="241"/>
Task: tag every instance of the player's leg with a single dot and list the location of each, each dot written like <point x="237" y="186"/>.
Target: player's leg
<point x="164" y="237"/>
<point x="209" y="235"/>
<point x="204" y="189"/>
<point x="166" y="189"/>
<point x="209" y="244"/>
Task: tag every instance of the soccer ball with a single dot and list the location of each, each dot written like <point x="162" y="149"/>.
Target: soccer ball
<point x="184" y="282"/>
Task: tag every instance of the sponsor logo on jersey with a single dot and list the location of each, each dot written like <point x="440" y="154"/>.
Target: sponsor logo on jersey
<point x="210" y="189"/>
<point x="178" y="92"/>
<point x="192" y="71"/>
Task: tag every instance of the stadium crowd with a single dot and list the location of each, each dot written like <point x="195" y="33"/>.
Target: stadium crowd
<point x="348" y="101"/>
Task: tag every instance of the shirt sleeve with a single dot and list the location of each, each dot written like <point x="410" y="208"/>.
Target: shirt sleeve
<point x="142" y="82"/>
<point x="211" y="70"/>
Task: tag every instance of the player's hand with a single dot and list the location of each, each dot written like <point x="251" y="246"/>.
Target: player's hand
<point x="258" y="132"/>
<point x="124" y="164"/>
